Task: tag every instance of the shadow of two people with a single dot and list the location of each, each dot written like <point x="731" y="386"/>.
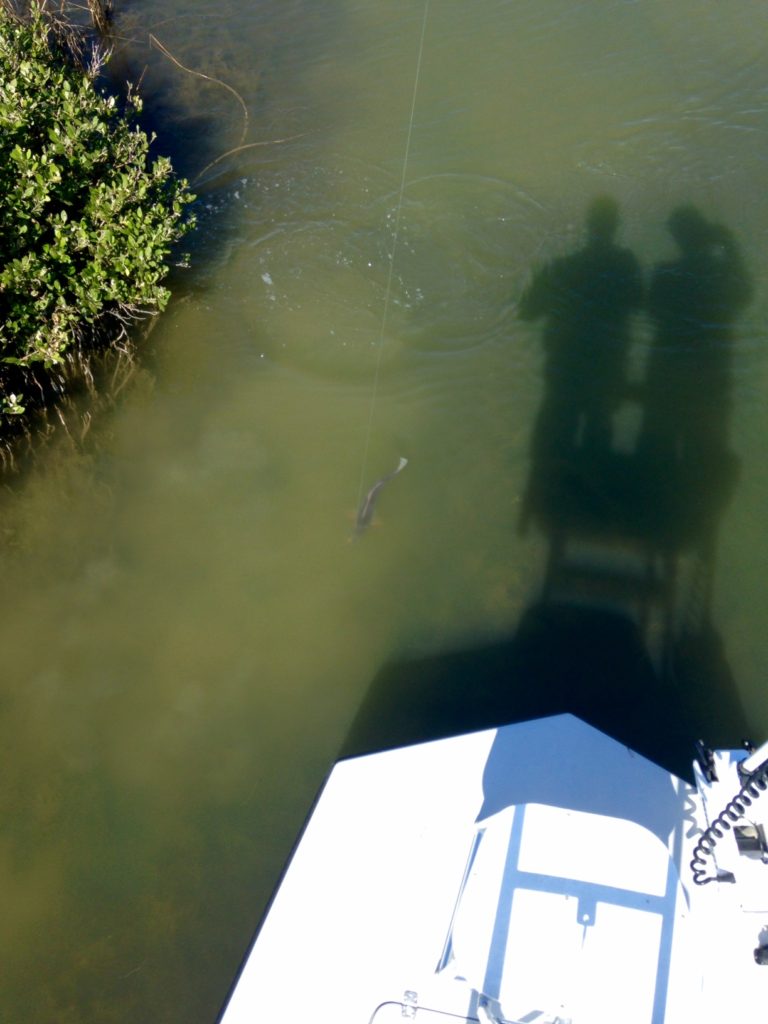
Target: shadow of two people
<point x="664" y="494"/>
<point x="680" y="472"/>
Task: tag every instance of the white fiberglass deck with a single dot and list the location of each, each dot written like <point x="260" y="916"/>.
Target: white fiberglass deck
<point x="534" y="873"/>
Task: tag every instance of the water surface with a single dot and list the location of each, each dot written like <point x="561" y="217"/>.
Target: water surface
<point x="187" y="633"/>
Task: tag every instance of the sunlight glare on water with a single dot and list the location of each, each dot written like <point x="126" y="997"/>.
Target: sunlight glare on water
<point x="187" y="632"/>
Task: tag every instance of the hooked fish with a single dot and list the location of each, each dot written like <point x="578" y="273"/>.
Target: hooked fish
<point x="368" y="504"/>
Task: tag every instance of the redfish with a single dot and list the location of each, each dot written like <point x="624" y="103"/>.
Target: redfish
<point x="368" y="504"/>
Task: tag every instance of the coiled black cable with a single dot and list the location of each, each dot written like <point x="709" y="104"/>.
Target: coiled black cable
<point x="755" y="784"/>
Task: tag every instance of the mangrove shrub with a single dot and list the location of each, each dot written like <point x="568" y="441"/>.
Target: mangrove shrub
<point x="87" y="218"/>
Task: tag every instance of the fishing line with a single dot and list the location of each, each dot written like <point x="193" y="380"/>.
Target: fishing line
<point x="388" y="290"/>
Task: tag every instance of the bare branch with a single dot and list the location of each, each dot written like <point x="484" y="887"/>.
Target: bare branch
<point x="209" y="78"/>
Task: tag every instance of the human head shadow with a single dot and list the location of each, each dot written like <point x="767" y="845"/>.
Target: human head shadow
<point x="622" y="633"/>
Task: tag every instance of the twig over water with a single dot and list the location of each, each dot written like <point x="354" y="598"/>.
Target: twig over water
<point x="239" y="149"/>
<point x="208" y="78"/>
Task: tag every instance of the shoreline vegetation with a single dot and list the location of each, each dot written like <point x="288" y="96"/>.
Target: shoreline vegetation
<point x="89" y="221"/>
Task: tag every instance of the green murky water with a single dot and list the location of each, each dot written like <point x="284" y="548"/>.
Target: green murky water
<point x="186" y="633"/>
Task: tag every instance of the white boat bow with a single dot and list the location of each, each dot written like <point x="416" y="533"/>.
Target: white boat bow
<point x="539" y="873"/>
